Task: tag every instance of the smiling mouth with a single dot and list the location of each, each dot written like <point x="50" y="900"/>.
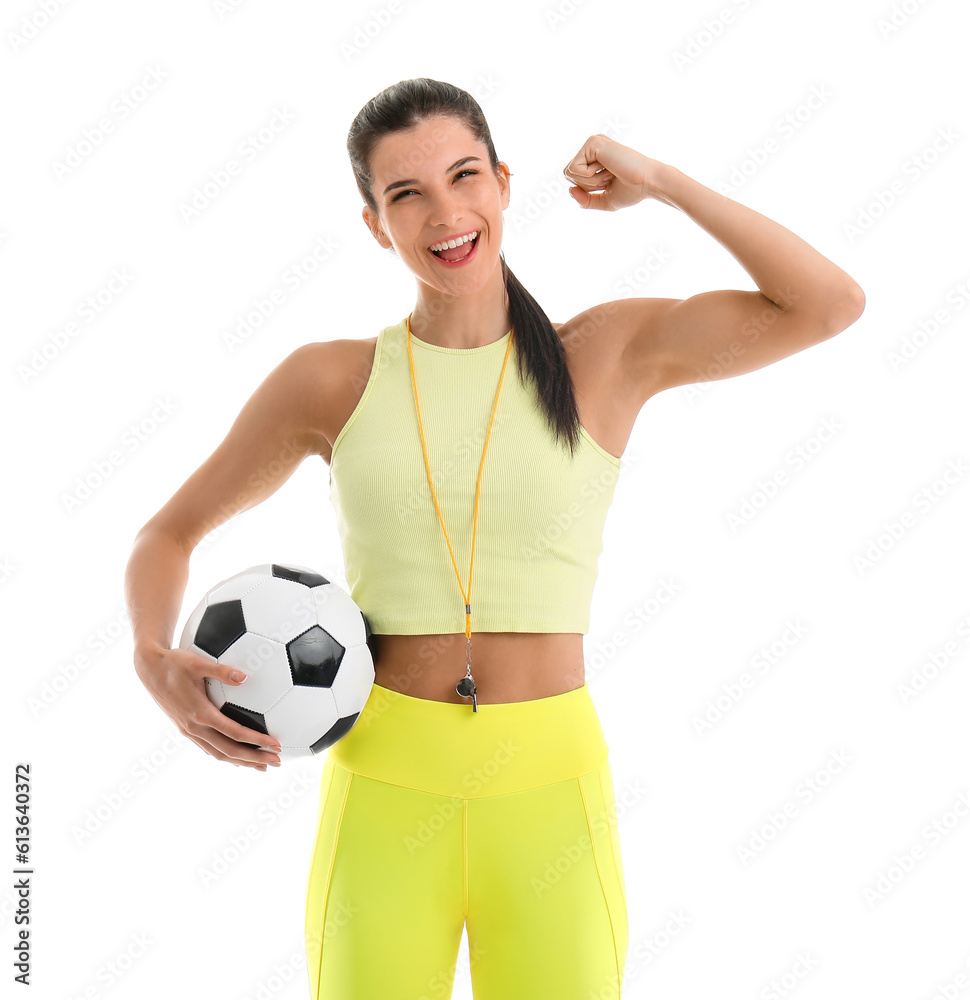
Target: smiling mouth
<point x="458" y="253"/>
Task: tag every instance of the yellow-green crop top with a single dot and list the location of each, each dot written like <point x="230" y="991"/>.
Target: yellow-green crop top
<point x="541" y="513"/>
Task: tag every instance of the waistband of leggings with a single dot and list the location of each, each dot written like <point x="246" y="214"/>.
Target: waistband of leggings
<point x="449" y="749"/>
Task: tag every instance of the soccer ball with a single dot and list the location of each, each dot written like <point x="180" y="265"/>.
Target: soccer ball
<point x="302" y="642"/>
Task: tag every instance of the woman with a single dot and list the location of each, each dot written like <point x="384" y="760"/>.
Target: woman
<point x="474" y="788"/>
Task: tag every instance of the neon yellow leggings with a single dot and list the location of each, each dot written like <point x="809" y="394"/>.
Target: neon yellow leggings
<point x="433" y="817"/>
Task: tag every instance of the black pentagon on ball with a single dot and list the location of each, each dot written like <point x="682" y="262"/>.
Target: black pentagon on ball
<point x="245" y="717"/>
<point x="221" y="625"/>
<point x="299" y="576"/>
<point x="340" y="728"/>
<point x="314" y="657"/>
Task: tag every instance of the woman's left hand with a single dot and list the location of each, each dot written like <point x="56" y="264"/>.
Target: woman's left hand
<point x="608" y="175"/>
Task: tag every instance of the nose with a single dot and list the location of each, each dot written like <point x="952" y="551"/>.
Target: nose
<point x="445" y="209"/>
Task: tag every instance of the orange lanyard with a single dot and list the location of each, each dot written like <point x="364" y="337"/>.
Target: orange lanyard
<point x="466" y="686"/>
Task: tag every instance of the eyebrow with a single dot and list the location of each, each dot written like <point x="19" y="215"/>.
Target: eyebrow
<point x="414" y="180"/>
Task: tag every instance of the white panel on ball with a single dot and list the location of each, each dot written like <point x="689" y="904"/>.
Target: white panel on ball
<point x="302" y="642"/>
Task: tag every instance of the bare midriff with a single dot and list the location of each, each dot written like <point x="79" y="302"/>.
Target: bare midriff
<point x="506" y="666"/>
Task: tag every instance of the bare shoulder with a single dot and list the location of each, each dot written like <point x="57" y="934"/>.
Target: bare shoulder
<point x="611" y="379"/>
<point x="337" y="371"/>
<point x="608" y="341"/>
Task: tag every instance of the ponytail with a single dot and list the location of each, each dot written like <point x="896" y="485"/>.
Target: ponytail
<point x="542" y="357"/>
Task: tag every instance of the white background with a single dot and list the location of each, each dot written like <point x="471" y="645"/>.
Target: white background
<point x="126" y="813"/>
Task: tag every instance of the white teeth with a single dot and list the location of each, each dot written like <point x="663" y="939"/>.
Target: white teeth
<point x="453" y="243"/>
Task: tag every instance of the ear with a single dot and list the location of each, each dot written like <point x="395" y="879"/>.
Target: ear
<point x="373" y="224"/>
<point x="503" y="180"/>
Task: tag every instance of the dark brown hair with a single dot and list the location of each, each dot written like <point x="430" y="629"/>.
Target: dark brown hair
<point x="540" y="353"/>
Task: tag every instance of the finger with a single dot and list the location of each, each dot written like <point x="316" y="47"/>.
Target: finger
<point x="205" y="720"/>
<point x="218" y="754"/>
<point x="586" y="162"/>
<point x="586" y="155"/>
<point x="236" y="750"/>
<point x="581" y="169"/>
<point x="208" y="715"/>
<point x="595" y="183"/>
<point x="592" y="200"/>
<point x="225" y="750"/>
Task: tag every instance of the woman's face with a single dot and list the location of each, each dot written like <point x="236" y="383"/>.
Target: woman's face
<point x="432" y="183"/>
